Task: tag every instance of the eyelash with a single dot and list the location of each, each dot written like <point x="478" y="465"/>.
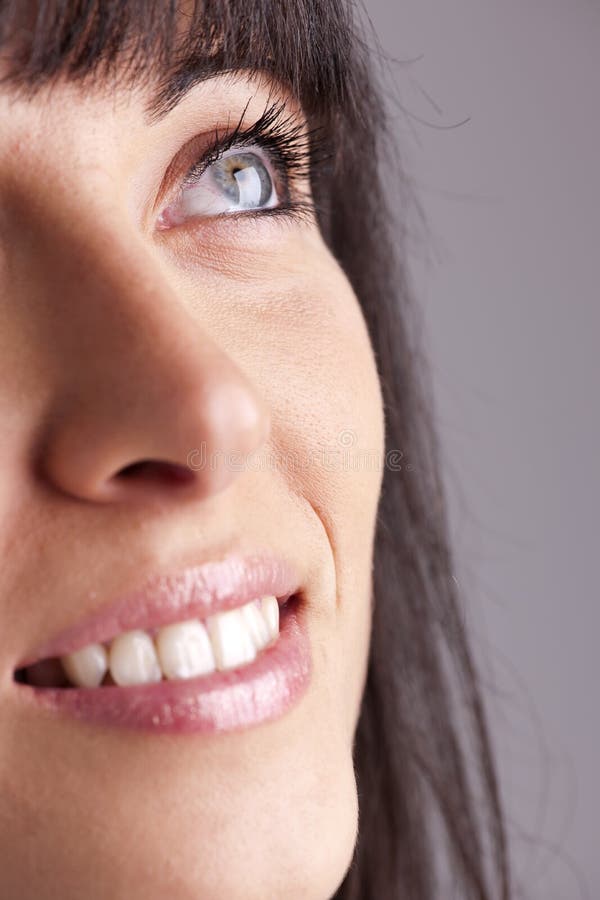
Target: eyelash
<point x="292" y="151"/>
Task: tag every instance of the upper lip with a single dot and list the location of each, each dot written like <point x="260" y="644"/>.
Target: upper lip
<point x="174" y="596"/>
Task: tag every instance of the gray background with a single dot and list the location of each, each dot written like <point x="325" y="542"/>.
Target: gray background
<point x="508" y="279"/>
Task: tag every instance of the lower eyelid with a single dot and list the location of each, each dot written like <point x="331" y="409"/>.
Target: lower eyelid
<point x="229" y="239"/>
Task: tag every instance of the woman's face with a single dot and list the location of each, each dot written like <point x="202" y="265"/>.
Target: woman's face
<point x="143" y="321"/>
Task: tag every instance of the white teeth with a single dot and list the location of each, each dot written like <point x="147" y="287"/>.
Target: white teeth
<point x="184" y="650"/>
<point x="270" y="610"/>
<point x="231" y="640"/>
<point x="133" y="660"/>
<point x="256" y="625"/>
<point x="86" y="667"/>
<point x="181" y="650"/>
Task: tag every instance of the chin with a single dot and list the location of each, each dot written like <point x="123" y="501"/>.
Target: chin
<point x="305" y="855"/>
<point x="297" y="843"/>
<point x="266" y="816"/>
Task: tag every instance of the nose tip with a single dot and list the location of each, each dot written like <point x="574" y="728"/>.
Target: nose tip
<point x="232" y="425"/>
<point x="183" y="438"/>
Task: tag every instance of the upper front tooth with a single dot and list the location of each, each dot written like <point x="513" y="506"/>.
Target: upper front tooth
<point x="231" y="640"/>
<point x="256" y="624"/>
<point x="86" y="667"/>
<point x="184" y="650"/>
<point x="133" y="660"/>
<point x="270" y="610"/>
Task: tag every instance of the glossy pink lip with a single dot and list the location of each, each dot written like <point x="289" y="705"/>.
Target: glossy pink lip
<point x="222" y="701"/>
<point x="196" y="592"/>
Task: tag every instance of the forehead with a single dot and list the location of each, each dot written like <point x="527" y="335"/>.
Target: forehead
<point x="167" y="48"/>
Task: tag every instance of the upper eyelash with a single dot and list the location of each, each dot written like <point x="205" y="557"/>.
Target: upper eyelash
<point x="292" y="148"/>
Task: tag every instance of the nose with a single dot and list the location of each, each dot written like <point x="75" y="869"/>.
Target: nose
<point x="147" y="404"/>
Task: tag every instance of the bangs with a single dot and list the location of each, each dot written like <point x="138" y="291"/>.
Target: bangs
<point x="305" y="44"/>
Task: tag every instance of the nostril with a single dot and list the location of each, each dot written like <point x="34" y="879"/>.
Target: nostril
<point x="149" y="471"/>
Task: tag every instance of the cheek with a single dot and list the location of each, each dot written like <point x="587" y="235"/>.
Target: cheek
<point x="331" y="419"/>
<point x="294" y="326"/>
<point x="328" y="420"/>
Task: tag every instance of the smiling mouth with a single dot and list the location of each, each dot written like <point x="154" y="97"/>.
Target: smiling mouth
<point x="216" y="647"/>
<point x="179" y="651"/>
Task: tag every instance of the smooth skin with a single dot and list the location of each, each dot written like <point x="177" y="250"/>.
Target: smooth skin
<point x="122" y="342"/>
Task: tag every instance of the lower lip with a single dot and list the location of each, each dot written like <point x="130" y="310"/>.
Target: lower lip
<point x="222" y="702"/>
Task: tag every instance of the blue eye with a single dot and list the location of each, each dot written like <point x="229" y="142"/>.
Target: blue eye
<point x="238" y="180"/>
<point x="243" y="179"/>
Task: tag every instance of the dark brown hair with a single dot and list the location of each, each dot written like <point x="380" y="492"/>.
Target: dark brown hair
<point x="430" y="819"/>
